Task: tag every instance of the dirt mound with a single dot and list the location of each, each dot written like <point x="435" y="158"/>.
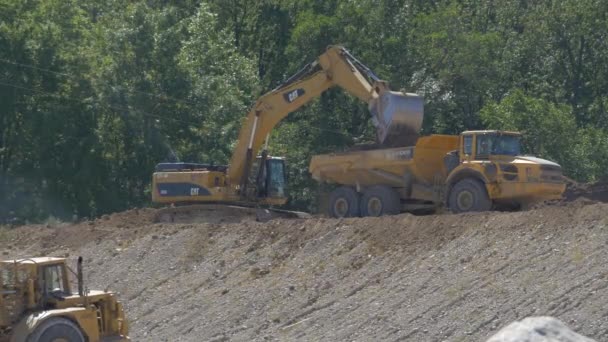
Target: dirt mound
<point x="125" y="219"/>
<point x="60" y="238"/>
<point x="579" y="194"/>
<point x="410" y="278"/>
<point x="205" y="213"/>
<point x="591" y="191"/>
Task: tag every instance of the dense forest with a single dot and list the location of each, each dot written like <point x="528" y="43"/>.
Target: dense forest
<point x="94" y="93"/>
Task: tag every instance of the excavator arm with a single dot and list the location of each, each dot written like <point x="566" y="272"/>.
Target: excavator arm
<point x="335" y="67"/>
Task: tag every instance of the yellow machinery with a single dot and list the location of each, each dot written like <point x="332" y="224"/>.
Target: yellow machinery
<point x="253" y="179"/>
<point x="475" y="171"/>
<point x="38" y="305"/>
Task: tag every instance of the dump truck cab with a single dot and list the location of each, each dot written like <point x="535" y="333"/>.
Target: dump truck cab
<point x="492" y="161"/>
<point x="37" y="304"/>
<point x="489" y="144"/>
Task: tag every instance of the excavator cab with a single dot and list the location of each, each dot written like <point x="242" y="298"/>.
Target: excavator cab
<point x="271" y="180"/>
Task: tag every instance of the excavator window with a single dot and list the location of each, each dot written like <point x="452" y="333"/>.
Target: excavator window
<point x="275" y="178"/>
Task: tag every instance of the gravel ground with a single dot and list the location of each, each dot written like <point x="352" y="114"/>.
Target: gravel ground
<point x="400" y="278"/>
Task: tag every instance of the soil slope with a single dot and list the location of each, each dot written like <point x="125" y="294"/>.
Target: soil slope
<point x="400" y="278"/>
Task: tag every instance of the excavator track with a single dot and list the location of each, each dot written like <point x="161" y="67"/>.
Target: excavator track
<point x="222" y="213"/>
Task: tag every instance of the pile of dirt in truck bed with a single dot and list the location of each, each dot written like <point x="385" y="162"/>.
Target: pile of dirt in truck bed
<point x="409" y="278"/>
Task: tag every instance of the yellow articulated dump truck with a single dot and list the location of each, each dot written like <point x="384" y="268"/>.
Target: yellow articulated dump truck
<point x="474" y="171"/>
<point x="38" y="305"/>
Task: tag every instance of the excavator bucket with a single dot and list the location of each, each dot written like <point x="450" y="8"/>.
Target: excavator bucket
<point x="397" y="117"/>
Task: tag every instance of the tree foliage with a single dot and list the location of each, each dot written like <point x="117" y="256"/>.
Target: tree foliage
<point x="93" y="94"/>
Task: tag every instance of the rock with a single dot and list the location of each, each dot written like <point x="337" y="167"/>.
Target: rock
<point x="538" y="329"/>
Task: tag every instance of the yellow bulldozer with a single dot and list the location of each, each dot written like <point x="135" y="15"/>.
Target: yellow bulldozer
<point x="470" y="172"/>
<point x="37" y="305"/>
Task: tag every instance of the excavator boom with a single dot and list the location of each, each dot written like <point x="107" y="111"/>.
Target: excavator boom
<point x="397" y="116"/>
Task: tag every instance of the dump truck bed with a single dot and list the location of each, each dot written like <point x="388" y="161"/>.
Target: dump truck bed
<point x="424" y="161"/>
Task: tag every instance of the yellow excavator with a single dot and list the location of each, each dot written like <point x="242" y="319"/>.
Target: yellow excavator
<point x="252" y="180"/>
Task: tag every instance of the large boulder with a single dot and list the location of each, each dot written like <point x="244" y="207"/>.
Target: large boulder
<point x="538" y="329"/>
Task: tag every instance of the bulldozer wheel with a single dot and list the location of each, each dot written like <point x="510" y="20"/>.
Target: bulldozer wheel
<point x="469" y="195"/>
<point x="344" y="202"/>
<point x="380" y="200"/>
<point x="57" y="329"/>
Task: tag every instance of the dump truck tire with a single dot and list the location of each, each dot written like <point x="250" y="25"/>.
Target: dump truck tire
<point x="344" y="202"/>
<point x="380" y="200"/>
<point x="57" y="329"/>
<point x="469" y="195"/>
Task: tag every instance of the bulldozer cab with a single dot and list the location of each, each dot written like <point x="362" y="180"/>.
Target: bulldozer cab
<point x="53" y="282"/>
<point x="486" y="145"/>
<point x="30" y="284"/>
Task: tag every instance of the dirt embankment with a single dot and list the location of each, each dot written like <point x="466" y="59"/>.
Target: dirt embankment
<point x="597" y="192"/>
<point x="409" y="278"/>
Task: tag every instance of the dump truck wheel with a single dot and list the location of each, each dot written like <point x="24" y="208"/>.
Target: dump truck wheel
<point x="380" y="200"/>
<point x="469" y="195"/>
<point x="344" y="202"/>
<point x="57" y="330"/>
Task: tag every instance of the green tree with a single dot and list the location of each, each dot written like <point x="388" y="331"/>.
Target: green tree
<point x="223" y="84"/>
<point x="458" y="62"/>
<point x="48" y="144"/>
